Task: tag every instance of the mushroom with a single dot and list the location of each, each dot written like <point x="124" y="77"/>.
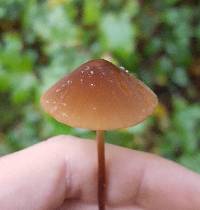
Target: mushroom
<point x="99" y="96"/>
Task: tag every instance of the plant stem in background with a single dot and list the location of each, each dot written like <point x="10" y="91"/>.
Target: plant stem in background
<point x="101" y="169"/>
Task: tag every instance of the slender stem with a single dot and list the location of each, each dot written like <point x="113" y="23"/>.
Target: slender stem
<point x="101" y="170"/>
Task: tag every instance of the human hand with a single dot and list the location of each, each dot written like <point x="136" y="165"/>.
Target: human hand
<point x="61" y="174"/>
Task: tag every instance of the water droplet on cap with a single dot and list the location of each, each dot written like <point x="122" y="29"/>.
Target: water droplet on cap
<point x="58" y="90"/>
<point x="64" y="85"/>
<point x="69" y="82"/>
<point x="87" y="68"/>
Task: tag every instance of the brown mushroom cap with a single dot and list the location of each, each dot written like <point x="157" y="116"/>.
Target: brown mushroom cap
<point x="99" y="96"/>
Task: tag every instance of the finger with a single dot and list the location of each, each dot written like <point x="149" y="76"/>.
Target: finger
<point x="33" y="178"/>
<point x="43" y="176"/>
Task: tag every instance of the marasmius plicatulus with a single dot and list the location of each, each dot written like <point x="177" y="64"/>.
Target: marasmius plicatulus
<point x="99" y="96"/>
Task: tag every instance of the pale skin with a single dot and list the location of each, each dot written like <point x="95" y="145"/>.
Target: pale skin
<point x="61" y="174"/>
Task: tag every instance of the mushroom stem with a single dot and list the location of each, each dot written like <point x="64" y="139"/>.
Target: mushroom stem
<point x="101" y="169"/>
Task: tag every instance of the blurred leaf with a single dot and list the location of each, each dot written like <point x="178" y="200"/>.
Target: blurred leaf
<point x="163" y="68"/>
<point x="132" y="7"/>
<point x="12" y="48"/>
<point x="148" y="21"/>
<point x="112" y="38"/>
<point x="191" y="161"/>
<point x="92" y="12"/>
<point x="120" y="138"/>
<point x="55" y="27"/>
<point x="139" y="129"/>
<point x="4" y="80"/>
<point x="23" y="87"/>
<point x="4" y="149"/>
<point x="51" y="127"/>
<point x="180" y="77"/>
<point x="153" y="46"/>
<point x="185" y="121"/>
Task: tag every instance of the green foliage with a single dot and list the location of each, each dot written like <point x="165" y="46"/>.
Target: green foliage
<point x="111" y="28"/>
<point x="158" y="40"/>
<point x="183" y="134"/>
<point x="91" y="12"/>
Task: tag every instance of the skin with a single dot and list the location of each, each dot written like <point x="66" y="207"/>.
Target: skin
<point x="61" y="174"/>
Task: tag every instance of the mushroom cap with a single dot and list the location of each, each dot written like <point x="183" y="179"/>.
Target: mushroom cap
<point x="99" y="96"/>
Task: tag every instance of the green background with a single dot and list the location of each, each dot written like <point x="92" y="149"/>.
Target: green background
<point x="159" y="41"/>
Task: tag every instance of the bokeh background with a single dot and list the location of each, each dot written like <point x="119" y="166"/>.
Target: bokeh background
<point x="159" y="41"/>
